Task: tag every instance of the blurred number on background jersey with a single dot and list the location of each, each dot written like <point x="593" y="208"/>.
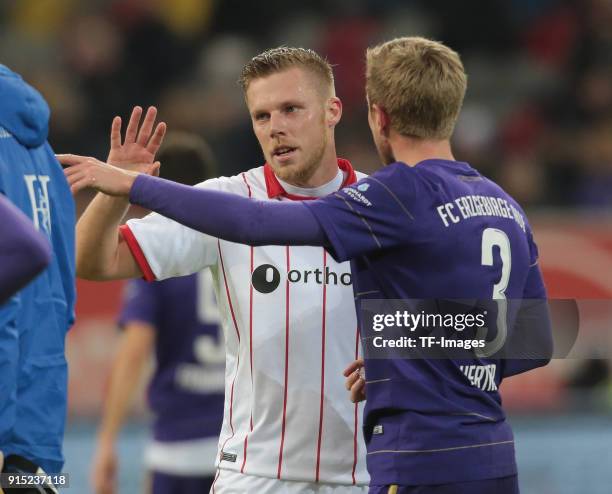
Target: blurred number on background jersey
<point x="207" y="349"/>
<point x="492" y="237"/>
<point x="208" y="311"/>
<point x="207" y="375"/>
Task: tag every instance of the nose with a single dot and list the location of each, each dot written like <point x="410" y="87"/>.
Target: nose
<point x="277" y="124"/>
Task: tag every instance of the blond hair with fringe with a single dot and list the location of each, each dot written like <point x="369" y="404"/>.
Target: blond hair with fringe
<point x="284" y="58"/>
<point x="420" y="83"/>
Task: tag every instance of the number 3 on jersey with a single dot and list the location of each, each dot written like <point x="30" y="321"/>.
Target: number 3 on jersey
<point x="492" y="237"/>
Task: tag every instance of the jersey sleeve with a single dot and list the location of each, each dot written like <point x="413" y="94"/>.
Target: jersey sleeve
<point x="534" y="285"/>
<point x="369" y="215"/>
<point x="532" y="335"/>
<point x="140" y="303"/>
<point x="164" y="248"/>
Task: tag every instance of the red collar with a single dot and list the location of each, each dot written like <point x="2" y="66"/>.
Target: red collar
<point x="275" y="189"/>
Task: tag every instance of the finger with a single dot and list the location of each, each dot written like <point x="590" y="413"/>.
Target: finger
<point x="352" y="379"/>
<point x="80" y="184"/>
<point x="132" y="128"/>
<point x="147" y="126"/>
<point x="157" y="138"/>
<point x="353" y="366"/>
<point x="154" y="169"/>
<point x="74" y="169"/>
<point x="357" y="393"/>
<point x="74" y="178"/>
<point x="70" y="159"/>
<point x="115" y="135"/>
<point x="348" y="383"/>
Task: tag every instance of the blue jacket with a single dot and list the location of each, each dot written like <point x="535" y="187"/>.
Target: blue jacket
<point x="34" y="322"/>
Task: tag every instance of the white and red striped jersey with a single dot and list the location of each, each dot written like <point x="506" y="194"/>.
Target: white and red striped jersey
<point x="290" y="328"/>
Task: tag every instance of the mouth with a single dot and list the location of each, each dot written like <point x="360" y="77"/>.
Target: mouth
<point x="283" y="153"/>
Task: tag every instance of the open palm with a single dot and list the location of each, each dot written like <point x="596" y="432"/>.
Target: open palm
<point x="140" y="143"/>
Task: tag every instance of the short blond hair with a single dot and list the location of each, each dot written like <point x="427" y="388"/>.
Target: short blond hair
<point x="420" y="83"/>
<point x="283" y="58"/>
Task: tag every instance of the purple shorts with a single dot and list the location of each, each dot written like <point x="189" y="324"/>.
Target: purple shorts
<point x="503" y="485"/>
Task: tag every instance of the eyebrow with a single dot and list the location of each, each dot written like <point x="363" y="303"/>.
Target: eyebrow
<point x="282" y="104"/>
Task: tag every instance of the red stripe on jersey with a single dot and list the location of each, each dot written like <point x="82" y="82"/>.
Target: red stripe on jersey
<point x="246" y="438"/>
<point x="215" y="481"/>
<point x="356" y="413"/>
<point x="280" y="453"/>
<point x="229" y="300"/>
<point x="322" y="369"/>
<point x="247" y="184"/>
<point x="137" y="253"/>
<point x="244" y="452"/>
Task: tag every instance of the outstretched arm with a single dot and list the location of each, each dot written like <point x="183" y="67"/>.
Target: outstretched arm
<point x="24" y="252"/>
<point x="229" y="216"/>
<point x="215" y="213"/>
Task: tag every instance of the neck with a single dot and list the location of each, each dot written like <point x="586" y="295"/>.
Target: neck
<point x="321" y="191"/>
<point x="412" y="150"/>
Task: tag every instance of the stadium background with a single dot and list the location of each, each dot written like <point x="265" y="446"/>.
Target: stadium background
<point x="538" y="119"/>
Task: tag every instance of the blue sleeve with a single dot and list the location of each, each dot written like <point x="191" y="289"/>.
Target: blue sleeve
<point x="367" y="216"/>
<point x="229" y="216"/>
<point x="533" y="324"/>
<point x="141" y="303"/>
<point x="24" y="252"/>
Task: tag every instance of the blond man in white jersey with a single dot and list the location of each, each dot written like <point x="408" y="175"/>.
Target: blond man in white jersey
<point x="287" y="312"/>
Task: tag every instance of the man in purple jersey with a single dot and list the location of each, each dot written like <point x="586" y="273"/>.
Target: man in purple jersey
<point x="424" y="227"/>
<point x="177" y="320"/>
<point x="24" y="252"/>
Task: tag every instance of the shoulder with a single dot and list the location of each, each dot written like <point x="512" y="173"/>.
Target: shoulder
<point x="244" y="184"/>
<point x="396" y="178"/>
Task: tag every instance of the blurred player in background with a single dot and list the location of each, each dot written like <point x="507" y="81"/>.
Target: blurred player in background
<point x="288" y="313"/>
<point x="24" y="252"/>
<point x="426" y="226"/>
<point x="34" y="322"/>
<point x="178" y="321"/>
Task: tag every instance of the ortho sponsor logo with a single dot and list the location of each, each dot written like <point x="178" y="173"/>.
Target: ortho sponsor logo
<point x="266" y="278"/>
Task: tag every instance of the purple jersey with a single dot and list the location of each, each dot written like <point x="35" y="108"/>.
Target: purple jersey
<point x="24" y="252"/>
<point x="186" y="390"/>
<point x="435" y="230"/>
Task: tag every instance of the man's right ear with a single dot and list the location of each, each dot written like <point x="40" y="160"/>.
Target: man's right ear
<point x="334" y="111"/>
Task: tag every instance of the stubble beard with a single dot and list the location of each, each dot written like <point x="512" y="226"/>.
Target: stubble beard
<point x="300" y="174"/>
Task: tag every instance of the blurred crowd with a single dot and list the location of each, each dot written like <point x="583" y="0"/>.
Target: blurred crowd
<point x="537" y="118"/>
